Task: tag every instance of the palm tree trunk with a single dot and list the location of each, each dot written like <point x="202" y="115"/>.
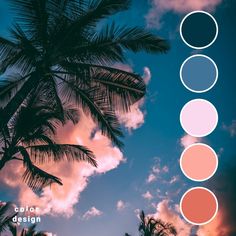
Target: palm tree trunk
<point x="17" y="100"/>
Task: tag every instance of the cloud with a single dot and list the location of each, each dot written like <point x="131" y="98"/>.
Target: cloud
<point x="188" y="140"/>
<point x="165" y="169"/>
<point x="215" y="227"/>
<point x="134" y="118"/>
<point x="147" y="196"/>
<point x="92" y="212"/>
<point x="121" y="205"/>
<point x="137" y="212"/>
<point x="151" y="178"/>
<point x="161" y="7"/>
<point x="147" y="75"/>
<point x="174" y="179"/>
<point x="231" y="129"/>
<point x="171" y="215"/>
<point x="156" y="171"/>
<point x="224" y="186"/>
<point x="60" y="200"/>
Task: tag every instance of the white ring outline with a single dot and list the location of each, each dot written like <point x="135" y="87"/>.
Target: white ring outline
<point x="206" y="134"/>
<point x="216" y="24"/>
<point x="199" y="91"/>
<point x="216" y="211"/>
<point x="199" y="144"/>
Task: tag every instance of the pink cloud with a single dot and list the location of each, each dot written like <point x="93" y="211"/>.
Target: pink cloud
<point x="60" y="200"/>
<point x="160" y="7"/>
<point x="217" y="227"/>
<point x="147" y="196"/>
<point x="231" y="129"/>
<point x="134" y="118"/>
<point x="188" y="140"/>
<point x="121" y="205"/>
<point x="92" y="212"/>
<point x="147" y="75"/>
<point x="151" y="178"/>
<point x="168" y="214"/>
<point x="174" y="179"/>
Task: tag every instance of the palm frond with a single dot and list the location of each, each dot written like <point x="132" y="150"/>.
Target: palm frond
<point x="67" y="8"/>
<point x="94" y="104"/>
<point x="5" y="208"/>
<point x="22" y="56"/>
<point x="31" y="231"/>
<point x="35" y="177"/>
<point x="9" y="86"/>
<point x="100" y="9"/>
<point x="34" y="120"/>
<point x="7" y="49"/>
<point x="113" y="40"/>
<point x="6" y="215"/>
<point x="47" y="94"/>
<point x="4" y="225"/>
<point x="123" y="88"/>
<point x="31" y="15"/>
<point x="14" y="104"/>
<point x="13" y="229"/>
<point x="58" y="152"/>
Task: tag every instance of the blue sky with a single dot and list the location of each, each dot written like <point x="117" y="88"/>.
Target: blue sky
<point x="157" y="142"/>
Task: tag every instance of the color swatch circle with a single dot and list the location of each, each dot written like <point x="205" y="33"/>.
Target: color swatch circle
<point x="199" y="73"/>
<point x="199" y="206"/>
<point x="199" y="29"/>
<point x="198" y="118"/>
<point x="199" y="162"/>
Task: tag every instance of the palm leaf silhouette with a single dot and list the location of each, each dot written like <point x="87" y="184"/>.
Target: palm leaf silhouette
<point x="6" y="215"/>
<point x="30" y="138"/>
<point x="55" y="46"/>
<point x="149" y="226"/>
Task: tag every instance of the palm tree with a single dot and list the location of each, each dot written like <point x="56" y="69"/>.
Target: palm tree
<point x="155" y="227"/>
<point x="58" y="44"/>
<point x="29" y="138"/>
<point x="149" y="226"/>
<point x="31" y="232"/>
<point x="6" y="215"/>
<point x="26" y="231"/>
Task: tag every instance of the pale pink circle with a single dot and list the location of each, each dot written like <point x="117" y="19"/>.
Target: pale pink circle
<point x="199" y="118"/>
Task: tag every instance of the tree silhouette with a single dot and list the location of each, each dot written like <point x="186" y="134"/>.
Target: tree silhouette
<point x="6" y="215"/>
<point x="30" y="231"/>
<point x="29" y="138"/>
<point x="149" y="226"/>
<point x="56" y="44"/>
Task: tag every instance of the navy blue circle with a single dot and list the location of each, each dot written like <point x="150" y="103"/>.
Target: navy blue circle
<point x="199" y="29"/>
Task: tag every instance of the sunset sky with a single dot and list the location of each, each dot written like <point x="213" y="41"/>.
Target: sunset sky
<point x="146" y="176"/>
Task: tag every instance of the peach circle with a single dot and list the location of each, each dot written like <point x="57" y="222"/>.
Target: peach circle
<point x="199" y="162"/>
<point x="199" y="206"/>
<point x="199" y="118"/>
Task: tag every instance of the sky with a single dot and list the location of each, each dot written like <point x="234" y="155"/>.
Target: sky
<point x="146" y="175"/>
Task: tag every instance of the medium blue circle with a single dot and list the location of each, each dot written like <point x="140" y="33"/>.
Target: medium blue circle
<point x="199" y="73"/>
